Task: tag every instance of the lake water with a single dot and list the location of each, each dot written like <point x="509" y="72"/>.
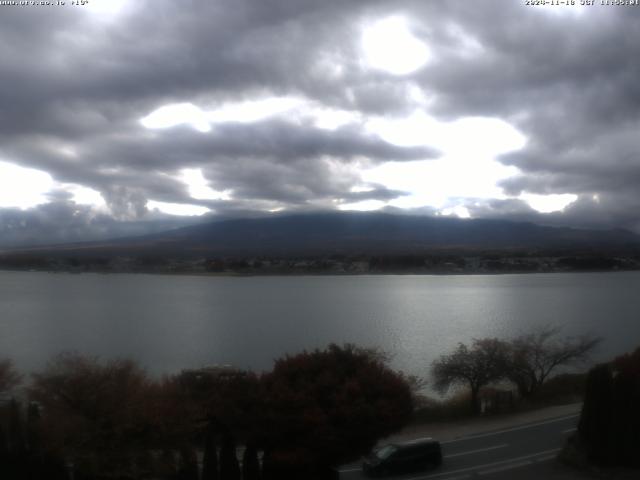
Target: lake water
<point x="172" y="322"/>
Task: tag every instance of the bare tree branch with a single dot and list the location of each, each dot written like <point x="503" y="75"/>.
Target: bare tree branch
<point x="534" y="356"/>
<point x="474" y="367"/>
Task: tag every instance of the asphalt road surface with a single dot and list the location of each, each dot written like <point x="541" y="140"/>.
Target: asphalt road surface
<point x="513" y="452"/>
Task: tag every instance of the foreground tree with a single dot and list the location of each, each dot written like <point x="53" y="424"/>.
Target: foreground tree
<point x="17" y="444"/>
<point x="229" y="466"/>
<point x="167" y="466"/>
<point x="94" y="412"/>
<point x="250" y="463"/>
<point x="9" y="377"/>
<point x="609" y="427"/>
<point x="188" y="465"/>
<point x="219" y="400"/>
<point x="534" y="357"/>
<point x="328" y="407"/>
<point x="210" y="458"/>
<point x="474" y="367"/>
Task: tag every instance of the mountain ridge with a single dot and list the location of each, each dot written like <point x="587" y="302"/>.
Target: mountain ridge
<point x="325" y="233"/>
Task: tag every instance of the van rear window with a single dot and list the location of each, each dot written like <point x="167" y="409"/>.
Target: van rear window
<point x="386" y="451"/>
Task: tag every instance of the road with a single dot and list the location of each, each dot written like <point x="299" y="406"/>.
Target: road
<point x="495" y="455"/>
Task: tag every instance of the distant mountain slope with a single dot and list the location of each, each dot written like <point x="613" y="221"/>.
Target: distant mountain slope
<point x="352" y="233"/>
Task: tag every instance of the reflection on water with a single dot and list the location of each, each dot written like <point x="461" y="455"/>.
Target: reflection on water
<point x="173" y="322"/>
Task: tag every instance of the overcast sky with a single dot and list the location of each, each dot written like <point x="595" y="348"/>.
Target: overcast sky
<point x="125" y="116"/>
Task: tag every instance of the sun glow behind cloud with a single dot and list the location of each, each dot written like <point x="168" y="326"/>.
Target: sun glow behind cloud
<point x="389" y="45"/>
<point x="23" y="187"/>
<point x="176" y="114"/>
<point x="548" y="203"/>
<point x="181" y="209"/>
<point x="434" y="182"/>
<point x="470" y="136"/>
<point x="331" y="119"/>
<point x="172" y="115"/>
<point x="254" y="110"/>
<point x="458" y="211"/>
<point x="467" y="168"/>
<point x="363" y="206"/>
<point x="198" y="186"/>
<point x="85" y="195"/>
<point x="292" y="109"/>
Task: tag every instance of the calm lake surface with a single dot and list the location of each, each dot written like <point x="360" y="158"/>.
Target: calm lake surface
<point x="172" y="322"/>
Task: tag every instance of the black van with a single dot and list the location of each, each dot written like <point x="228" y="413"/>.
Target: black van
<point x="403" y="457"/>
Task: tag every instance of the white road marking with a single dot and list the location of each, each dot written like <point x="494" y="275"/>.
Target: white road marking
<point x="543" y="459"/>
<point x="523" y="427"/>
<point x="475" y="451"/>
<point x="345" y="470"/>
<point x="470" y="452"/>
<point x="489" y="465"/>
<point x="511" y="466"/>
<point x="505" y="467"/>
<point x="569" y="430"/>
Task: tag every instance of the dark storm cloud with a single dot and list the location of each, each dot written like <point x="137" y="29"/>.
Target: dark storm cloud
<point x="75" y="87"/>
<point x="64" y="221"/>
<point x="603" y="211"/>
<point x="304" y="180"/>
<point x="281" y="142"/>
<point x="85" y="85"/>
<point x="238" y="157"/>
